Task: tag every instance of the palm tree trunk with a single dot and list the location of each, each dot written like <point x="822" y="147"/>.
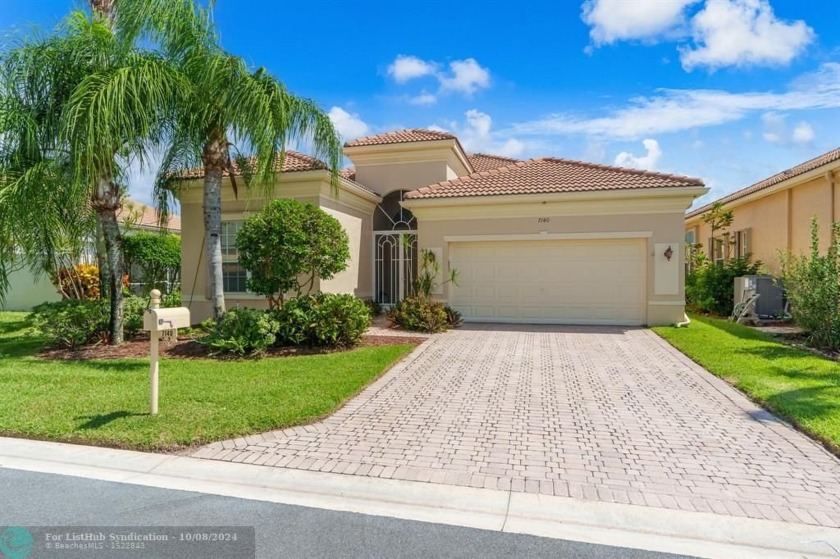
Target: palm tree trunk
<point x="215" y="161"/>
<point x="106" y="203"/>
<point x="101" y="261"/>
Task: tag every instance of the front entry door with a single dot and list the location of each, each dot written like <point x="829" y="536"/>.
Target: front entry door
<point x="395" y="265"/>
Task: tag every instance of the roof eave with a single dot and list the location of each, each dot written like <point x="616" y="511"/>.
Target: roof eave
<point x="790" y="182"/>
<point x="691" y="192"/>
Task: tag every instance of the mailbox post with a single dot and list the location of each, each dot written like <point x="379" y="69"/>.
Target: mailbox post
<point x="154" y="369"/>
<point x="157" y="320"/>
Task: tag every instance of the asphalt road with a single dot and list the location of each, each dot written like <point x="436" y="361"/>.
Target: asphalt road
<point x="33" y="499"/>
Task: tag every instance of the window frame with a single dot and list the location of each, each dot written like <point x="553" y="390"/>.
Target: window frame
<point x="229" y="253"/>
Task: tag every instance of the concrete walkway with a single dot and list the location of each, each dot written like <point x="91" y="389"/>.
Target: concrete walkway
<point x="600" y="414"/>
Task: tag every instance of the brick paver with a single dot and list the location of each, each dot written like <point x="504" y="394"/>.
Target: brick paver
<point x="606" y="414"/>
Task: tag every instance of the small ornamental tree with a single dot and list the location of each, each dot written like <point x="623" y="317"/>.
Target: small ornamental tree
<point x="156" y="257"/>
<point x="719" y="219"/>
<point x="288" y="246"/>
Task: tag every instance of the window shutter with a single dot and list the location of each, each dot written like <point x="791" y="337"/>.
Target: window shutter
<point x="747" y="241"/>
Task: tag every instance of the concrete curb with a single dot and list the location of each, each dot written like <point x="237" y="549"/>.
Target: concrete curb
<point x="653" y="529"/>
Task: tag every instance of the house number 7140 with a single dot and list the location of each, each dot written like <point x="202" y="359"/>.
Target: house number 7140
<point x="543" y="219"/>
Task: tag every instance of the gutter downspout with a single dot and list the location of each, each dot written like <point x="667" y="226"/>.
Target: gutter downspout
<point x="685" y="322"/>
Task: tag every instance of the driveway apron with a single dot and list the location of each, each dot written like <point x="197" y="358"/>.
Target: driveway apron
<point x="600" y="413"/>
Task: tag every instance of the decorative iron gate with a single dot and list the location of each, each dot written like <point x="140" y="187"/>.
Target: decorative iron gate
<point x="395" y="263"/>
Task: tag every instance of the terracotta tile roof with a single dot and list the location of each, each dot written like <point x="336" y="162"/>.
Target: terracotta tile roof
<point x="801" y="169"/>
<point x="294" y="161"/>
<point x="145" y="217"/>
<point x="400" y="137"/>
<point x="485" y="162"/>
<point x="546" y="175"/>
<point x="348" y="173"/>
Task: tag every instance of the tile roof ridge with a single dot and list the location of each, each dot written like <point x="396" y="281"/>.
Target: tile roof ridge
<point x="395" y="134"/>
<point x="628" y="170"/>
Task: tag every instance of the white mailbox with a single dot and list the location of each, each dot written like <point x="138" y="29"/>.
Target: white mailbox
<point x="158" y="320"/>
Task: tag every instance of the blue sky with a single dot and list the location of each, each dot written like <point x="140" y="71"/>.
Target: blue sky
<point x="731" y="91"/>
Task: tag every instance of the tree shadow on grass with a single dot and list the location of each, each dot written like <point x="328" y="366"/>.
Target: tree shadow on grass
<point x="735" y="329"/>
<point x="108" y="365"/>
<point x="8" y="327"/>
<point x="102" y="419"/>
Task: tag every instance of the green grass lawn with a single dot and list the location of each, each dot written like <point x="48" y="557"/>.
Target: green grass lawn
<point x="795" y="384"/>
<point x="105" y="402"/>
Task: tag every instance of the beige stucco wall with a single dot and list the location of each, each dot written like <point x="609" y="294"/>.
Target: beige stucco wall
<point x="659" y="228"/>
<point x="384" y="178"/>
<point x="26" y="291"/>
<point x="781" y="220"/>
<point x="352" y="208"/>
<point x="357" y="278"/>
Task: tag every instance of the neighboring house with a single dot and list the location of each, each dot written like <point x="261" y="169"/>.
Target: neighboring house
<point x="774" y="215"/>
<point x="27" y="289"/>
<point x="544" y="240"/>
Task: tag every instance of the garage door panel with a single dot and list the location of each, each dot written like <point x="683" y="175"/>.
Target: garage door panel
<point x="599" y="281"/>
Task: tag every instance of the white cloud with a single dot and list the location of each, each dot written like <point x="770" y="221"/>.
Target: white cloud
<point x="462" y="76"/>
<point x="349" y="125"/>
<point x="467" y="76"/>
<point x="423" y="99"/>
<point x="620" y="20"/>
<point x="774" y="127"/>
<point x="803" y="133"/>
<point x="743" y="33"/>
<point x="647" y="161"/>
<point x="405" y="68"/>
<point x="476" y="135"/>
<point x="675" y="110"/>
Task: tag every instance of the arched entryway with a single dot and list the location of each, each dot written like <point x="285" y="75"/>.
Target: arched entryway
<point x="394" y="250"/>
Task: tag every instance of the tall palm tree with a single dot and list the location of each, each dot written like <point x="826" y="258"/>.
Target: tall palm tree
<point x="232" y="110"/>
<point x="82" y="104"/>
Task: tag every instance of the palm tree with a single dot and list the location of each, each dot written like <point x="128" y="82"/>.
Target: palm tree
<point x="79" y="105"/>
<point x="230" y="103"/>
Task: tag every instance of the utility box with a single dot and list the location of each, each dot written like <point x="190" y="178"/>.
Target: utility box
<point x="158" y="320"/>
<point x="771" y="301"/>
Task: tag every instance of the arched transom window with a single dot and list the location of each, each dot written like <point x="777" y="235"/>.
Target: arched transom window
<point x="391" y="216"/>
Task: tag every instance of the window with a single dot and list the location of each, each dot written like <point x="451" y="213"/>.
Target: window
<point x="718" y="249"/>
<point x="234" y="276"/>
<point x="742" y="243"/>
<point x="689" y="237"/>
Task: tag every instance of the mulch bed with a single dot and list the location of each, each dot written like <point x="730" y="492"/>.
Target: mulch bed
<point x="188" y="348"/>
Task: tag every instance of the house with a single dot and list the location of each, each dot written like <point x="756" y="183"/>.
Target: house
<point x="774" y="215"/>
<point x="27" y="289"/>
<point x="545" y="240"/>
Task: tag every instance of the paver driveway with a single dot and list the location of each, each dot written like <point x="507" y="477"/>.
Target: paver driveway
<point x="608" y="414"/>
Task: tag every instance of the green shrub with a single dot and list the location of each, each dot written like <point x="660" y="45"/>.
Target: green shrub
<point x="171" y="299"/>
<point x="322" y="319"/>
<point x="133" y="309"/>
<point x="72" y="322"/>
<point x="711" y="287"/>
<point x="420" y="315"/>
<point x="374" y="308"/>
<point x="812" y="283"/>
<point x="243" y="332"/>
<point x="453" y="317"/>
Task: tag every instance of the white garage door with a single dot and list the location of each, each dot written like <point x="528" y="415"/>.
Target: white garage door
<point x="563" y="282"/>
